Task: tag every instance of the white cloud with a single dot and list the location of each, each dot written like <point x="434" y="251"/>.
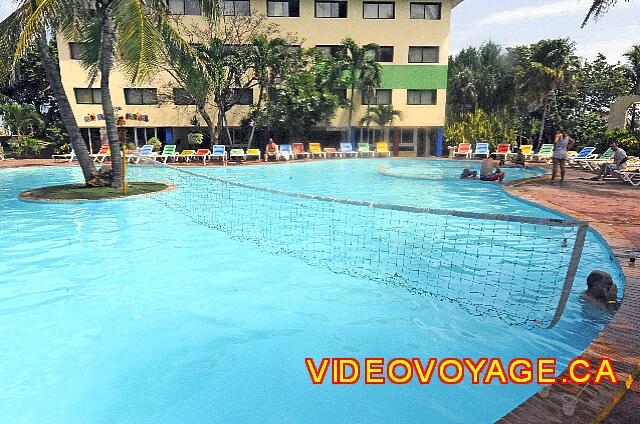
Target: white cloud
<point x="528" y="13"/>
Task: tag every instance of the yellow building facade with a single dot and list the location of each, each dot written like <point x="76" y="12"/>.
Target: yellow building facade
<point x="414" y="41"/>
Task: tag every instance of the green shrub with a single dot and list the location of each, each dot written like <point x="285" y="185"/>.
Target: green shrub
<point x="628" y="140"/>
<point x="155" y="142"/>
<point x="23" y="147"/>
<point x="195" y="139"/>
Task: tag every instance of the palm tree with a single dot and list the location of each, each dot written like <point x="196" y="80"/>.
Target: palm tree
<point x="11" y="30"/>
<point x="633" y="59"/>
<point x="20" y="119"/>
<point x="361" y="69"/>
<point x="598" y="8"/>
<point x="139" y="33"/>
<point x="382" y="116"/>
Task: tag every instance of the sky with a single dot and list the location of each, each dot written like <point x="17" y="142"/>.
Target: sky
<point x="513" y="22"/>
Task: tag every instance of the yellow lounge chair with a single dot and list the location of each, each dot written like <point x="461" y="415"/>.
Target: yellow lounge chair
<point x="185" y="154"/>
<point x="253" y="153"/>
<point x="382" y="149"/>
<point x="316" y="150"/>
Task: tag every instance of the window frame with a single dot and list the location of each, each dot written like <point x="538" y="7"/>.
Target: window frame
<point x="378" y="3"/>
<point x="235" y="9"/>
<point x="424" y="5"/>
<point x="342" y="5"/>
<point x="423" y="48"/>
<point x="334" y="48"/>
<point x="378" y="58"/>
<point x="193" y="4"/>
<point x="72" y="45"/>
<point x="186" y="95"/>
<point x="93" y="92"/>
<point x="366" y="101"/>
<point x="237" y="94"/>
<point x="142" y="90"/>
<point x="290" y="14"/>
<point x="421" y="92"/>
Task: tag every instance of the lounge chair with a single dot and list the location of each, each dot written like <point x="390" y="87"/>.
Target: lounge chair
<point x="382" y="149"/>
<point x="463" y="149"/>
<point x="593" y="164"/>
<point x="629" y="175"/>
<point x="145" y="152"/>
<point x="69" y="157"/>
<point x="286" y="152"/>
<point x="255" y="153"/>
<point x="544" y="154"/>
<point x="316" y="150"/>
<point x="482" y="149"/>
<point x="219" y="151"/>
<point x="527" y="150"/>
<point x="585" y="153"/>
<point x="237" y="154"/>
<point x="102" y="154"/>
<point x="347" y="150"/>
<point x="169" y="151"/>
<point x="298" y="150"/>
<point x="332" y="152"/>
<point x="503" y="150"/>
<point x="185" y="154"/>
<point x="365" y="150"/>
<point x="201" y="154"/>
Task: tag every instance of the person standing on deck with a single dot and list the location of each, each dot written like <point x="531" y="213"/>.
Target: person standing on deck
<point x="561" y="146"/>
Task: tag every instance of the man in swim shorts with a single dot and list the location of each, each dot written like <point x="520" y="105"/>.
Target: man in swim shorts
<point x="490" y="170"/>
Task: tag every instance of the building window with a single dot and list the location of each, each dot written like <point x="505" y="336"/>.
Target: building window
<point x="384" y="54"/>
<point x="76" y="50"/>
<point x="331" y="9"/>
<point x="376" y="97"/>
<point x="283" y="8"/>
<point x="236" y="8"/>
<point x="340" y="93"/>
<point x="293" y="49"/>
<point x="379" y="10"/>
<point x="243" y="96"/>
<point x="141" y="96"/>
<point x="181" y="97"/>
<point x="424" y="54"/>
<point x="422" y="97"/>
<point x="88" y="96"/>
<point x="330" y="50"/>
<point x="431" y="11"/>
<point x="184" y="7"/>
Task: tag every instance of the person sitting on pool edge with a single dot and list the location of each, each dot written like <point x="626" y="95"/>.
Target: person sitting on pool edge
<point x="519" y="162"/>
<point x="271" y="151"/>
<point x="490" y="170"/>
<point x="468" y="174"/>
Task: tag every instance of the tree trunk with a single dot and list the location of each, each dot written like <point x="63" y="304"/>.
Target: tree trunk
<point x="544" y="119"/>
<point x="107" y="103"/>
<point x="210" y="125"/>
<point x="255" y="116"/>
<point x="351" y="106"/>
<point x="64" y="106"/>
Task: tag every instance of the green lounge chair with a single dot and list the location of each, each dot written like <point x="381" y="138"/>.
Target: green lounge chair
<point x="365" y="150"/>
<point x="544" y="154"/>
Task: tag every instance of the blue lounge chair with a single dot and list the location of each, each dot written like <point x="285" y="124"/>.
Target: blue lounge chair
<point x="286" y="151"/>
<point x="146" y="151"/>
<point x="219" y="151"/>
<point x="347" y="149"/>
<point x="482" y="149"/>
<point x="586" y="153"/>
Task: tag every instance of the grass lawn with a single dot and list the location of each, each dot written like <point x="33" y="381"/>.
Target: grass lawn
<point x="81" y="192"/>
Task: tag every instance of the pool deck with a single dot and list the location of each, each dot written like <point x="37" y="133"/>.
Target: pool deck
<point x="612" y="209"/>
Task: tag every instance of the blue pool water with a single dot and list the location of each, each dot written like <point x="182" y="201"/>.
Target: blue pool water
<point x="128" y="312"/>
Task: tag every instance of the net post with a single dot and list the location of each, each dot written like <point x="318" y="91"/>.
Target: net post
<point x="583" y="228"/>
<point x="124" y="168"/>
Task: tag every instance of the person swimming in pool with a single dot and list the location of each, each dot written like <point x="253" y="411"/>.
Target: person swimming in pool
<point x="468" y="174"/>
<point x="490" y="170"/>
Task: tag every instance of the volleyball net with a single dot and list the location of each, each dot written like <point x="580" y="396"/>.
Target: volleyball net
<point x="519" y="269"/>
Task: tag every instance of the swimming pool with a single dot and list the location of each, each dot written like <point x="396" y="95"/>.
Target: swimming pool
<point x="129" y="312"/>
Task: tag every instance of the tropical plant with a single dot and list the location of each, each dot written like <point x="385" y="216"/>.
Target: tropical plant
<point x="633" y="59"/>
<point x="195" y="139"/>
<point x="138" y="33"/>
<point x="155" y="142"/>
<point x="382" y="116"/>
<point x="598" y="8"/>
<point x="27" y="146"/>
<point x="21" y="120"/>
<point x="22" y="31"/>
<point x="359" y="70"/>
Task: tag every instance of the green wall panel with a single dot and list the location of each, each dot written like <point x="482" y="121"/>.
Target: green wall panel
<point x="414" y="76"/>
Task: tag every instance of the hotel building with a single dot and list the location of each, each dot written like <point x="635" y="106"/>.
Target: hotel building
<point x="414" y="41"/>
